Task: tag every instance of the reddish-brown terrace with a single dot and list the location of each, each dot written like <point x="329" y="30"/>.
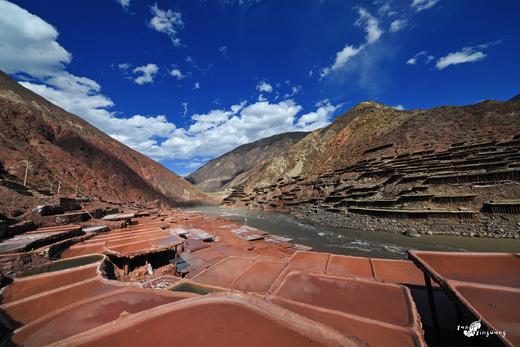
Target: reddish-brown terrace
<point x="227" y="319"/>
<point x="486" y="284"/>
<point x="34" y="239"/>
<point x="69" y="302"/>
<point x="133" y="239"/>
<point x="267" y="292"/>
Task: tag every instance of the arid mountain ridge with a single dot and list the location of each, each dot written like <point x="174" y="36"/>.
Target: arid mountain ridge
<point x="371" y="129"/>
<point x="62" y="147"/>
<point x="235" y="167"/>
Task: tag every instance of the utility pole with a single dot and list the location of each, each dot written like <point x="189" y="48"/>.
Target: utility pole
<point x="76" y="193"/>
<point x="26" y="172"/>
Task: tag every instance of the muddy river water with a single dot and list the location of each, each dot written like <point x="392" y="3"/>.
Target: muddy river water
<point x="355" y="242"/>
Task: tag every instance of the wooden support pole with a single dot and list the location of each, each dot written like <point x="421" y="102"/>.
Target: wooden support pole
<point x="26" y="172"/>
<point x="459" y="314"/>
<point x="431" y="301"/>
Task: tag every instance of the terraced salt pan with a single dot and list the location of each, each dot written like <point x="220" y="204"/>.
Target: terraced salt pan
<point x="487" y="284"/>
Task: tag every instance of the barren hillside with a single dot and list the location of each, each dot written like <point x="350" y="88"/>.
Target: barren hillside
<point x="62" y="147"/>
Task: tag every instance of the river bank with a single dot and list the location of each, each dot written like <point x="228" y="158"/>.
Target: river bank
<point x="489" y="227"/>
<point x="359" y="241"/>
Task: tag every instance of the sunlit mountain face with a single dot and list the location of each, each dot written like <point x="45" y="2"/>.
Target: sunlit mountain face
<point x="183" y="82"/>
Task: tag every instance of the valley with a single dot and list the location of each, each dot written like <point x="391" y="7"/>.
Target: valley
<point x="257" y="173"/>
<point x="93" y="226"/>
<point x="465" y="188"/>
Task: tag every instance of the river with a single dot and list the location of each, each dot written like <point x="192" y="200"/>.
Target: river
<point x="355" y="242"/>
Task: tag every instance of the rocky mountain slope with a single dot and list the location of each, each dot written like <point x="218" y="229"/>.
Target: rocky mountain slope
<point x="61" y="147"/>
<point x="372" y="130"/>
<point x="447" y="170"/>
<point x="235" y="167"/>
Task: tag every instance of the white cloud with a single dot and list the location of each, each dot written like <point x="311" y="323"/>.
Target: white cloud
<point x="342" y="57"/>
<point x="371" y="26"/>
<point x="78" y="95"/>
<point x="139" y="132"/>
<point x="319" y="118"/>
<point x="203" y="122"/>
<point x="124" y="66"/>
<point x="224" y="51"/>
<point x="466" y="55"/>
<point x="184" y="109"/>
<point x="218" y="131"/>
<point x="190" y="61"/>
<point x="210" y="134"/>
<point x="384" y="9"/>
<point x="147" y="72"/>
<point x="420" y="5"/>
<point x="28" y="43"/>
<point x="294" y="90"/>
<point x="420" y="56"/>
<point x="469" y="54"/>
<point x="236" y="108"/>
<point x="124" y="3"/>
<point x="398" y="107"/>
<point x="488" y="44"/>
<point x="264" y="87"/>
<point x="168" y="22"/>
<point x="176" y="73"/>
<point x="195" y="164"/>
<point x="196" y="85"/>
<point x="398" y="24"/>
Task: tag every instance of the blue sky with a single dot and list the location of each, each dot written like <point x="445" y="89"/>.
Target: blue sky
<point x="184" y="81"/>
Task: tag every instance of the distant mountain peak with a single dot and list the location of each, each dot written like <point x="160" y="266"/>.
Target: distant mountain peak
<point x="232" y="168"/>
<point x="515" y="98"/>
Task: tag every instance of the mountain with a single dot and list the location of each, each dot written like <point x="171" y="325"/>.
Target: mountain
<point x="515" y="98"/>
<point x="372" y="129"/>
<point x="233" y="168"/>
<point x="62" y="147"/>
